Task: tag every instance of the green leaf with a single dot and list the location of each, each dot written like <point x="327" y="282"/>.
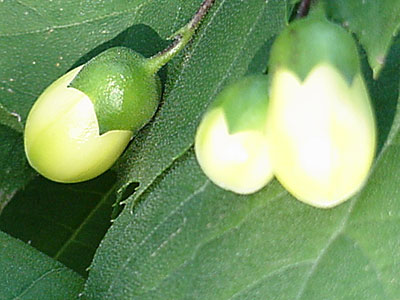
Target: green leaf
<point x="14" y="169"/>
<point x="205" y="243"/>
<point x="375" y="23"/>
<point x="225" y="49"/>
<point x="13" y="120"/>
<point x="29" y="274"/>
<point x="188" y="239"/>
<point x="191" y="240"/>
<point x="75" y="216"/>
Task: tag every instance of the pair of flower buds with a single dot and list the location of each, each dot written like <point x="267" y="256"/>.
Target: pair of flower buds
<point x="310" y="122"/>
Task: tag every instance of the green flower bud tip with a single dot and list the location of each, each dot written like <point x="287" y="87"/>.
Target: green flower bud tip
<point x="125" y="93"/>
<point x="231" y="145"/>
<point x="62" y="140"/>
<point x="320" y="123"/>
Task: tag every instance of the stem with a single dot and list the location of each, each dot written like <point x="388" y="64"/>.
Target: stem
<point x="181" y="38"/>
<point x="303" y="9"/>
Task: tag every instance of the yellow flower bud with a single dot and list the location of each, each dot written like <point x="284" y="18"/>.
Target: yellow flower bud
<point x="231" y="144"/>
<point x="82" y="122"/>
<point x="322" y="132"/>
<point x="62" y="140"/>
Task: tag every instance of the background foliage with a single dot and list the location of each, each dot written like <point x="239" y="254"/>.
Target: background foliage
<point x="179" y="236"/>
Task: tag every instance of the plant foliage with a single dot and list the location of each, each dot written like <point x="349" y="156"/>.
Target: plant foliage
<point x="179" y="236"/>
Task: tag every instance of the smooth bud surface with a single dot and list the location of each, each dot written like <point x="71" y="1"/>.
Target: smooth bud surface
<point x="320" y="123"/>
<point x="124" y="89"/>
<point x="62" y="140"/>
<point x="231" y="145"/>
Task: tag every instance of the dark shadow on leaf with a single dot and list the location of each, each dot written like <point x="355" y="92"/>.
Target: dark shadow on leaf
<point x="65" y="221"/>
<point x="129" y="190"/>
<point x="384" y="91"/>
<point x="123" y="195"/>
<point x="259" y="63"/>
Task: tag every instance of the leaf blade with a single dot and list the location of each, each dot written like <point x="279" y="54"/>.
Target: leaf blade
<point x="376" y="38"/>
<point x="74" y="216"/>
<point x="27" y="273"/>
<point x="188" y="239"/>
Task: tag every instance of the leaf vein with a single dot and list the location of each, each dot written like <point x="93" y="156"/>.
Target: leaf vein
<point x="83" y="223"/>
<point x="64" y="26"/>
<point x="342" y="226"/>
<point x="169" y="238"/>
<point x="373" y="265"/>
<point x="150" y="234"/>
<point x="203" y="244"/>
<point x="273" y="273"/>
<point x="33" y="283"/>
<point x="29" y="7"/>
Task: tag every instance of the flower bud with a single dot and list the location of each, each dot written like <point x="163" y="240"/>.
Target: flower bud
<point x="81" y="123"/>
<point x="124" y="90"/>
<point x="62" y="139"/>
<point x="231" y="145"/>
<point x="320" y="122"/>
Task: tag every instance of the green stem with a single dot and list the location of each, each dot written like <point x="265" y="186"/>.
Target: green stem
<point x="181" y="38"/>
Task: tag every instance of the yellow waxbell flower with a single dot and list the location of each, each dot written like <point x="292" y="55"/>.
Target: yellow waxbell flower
<point x="320" y="122"/>
<point x="231" y="145"/>
<point x="322" y="133"/>
<point x="62" y="140"/>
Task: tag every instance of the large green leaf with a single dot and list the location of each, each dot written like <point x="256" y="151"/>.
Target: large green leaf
<point x="191" y="240"/>
<point x="374" y="22"/>
<point x="74" y="216"/>
<point x="187" y="239"/>
<point x="28" y="274"/>
<point x="14" y="169"/>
